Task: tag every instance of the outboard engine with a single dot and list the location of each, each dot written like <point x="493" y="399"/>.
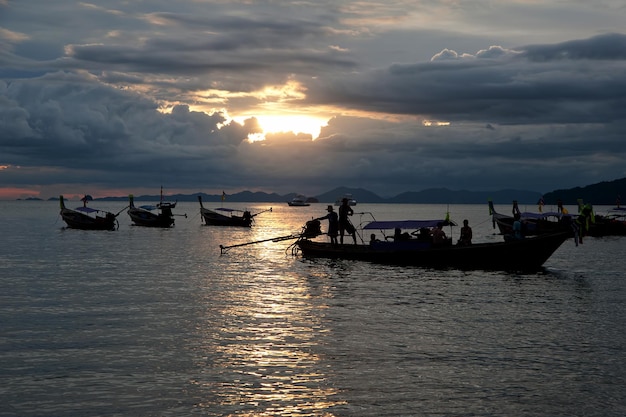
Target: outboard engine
<point x="313" y="228"/>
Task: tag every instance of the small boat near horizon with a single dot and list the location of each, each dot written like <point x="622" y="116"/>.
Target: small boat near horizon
<point x="87" y="218"/>
<point x="299" y="201"/>
<point x="351" y="200"/>
<point x="159" y="215"/>
<point x="226" y="216"/>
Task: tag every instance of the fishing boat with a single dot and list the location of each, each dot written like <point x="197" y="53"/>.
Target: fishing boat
<point x="227" y="216"/>
<point x="532" y="223"/>
<point x="613" y="223"/>
<point x="87" y="218"/>
<point x="527" y="254"/>
<point x="159" y="215"/>
<point x="299" y="201"/>
<point x="351" y="200"/>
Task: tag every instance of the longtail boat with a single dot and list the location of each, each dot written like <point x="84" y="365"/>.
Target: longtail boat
<point x="533" y="223"/>
<point x="417" y="249"/>
<point x="612" y="223"/>
<point x="159" y="215"/>
<point x="87" y="218"/>
<point x="227" y="217"/>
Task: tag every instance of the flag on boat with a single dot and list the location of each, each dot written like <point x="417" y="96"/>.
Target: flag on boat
<point x="223" y="196"/>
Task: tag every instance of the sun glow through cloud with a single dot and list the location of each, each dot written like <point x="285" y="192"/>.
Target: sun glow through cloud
<point x="285" y="124"/>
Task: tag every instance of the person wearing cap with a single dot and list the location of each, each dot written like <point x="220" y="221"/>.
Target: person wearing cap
<point x="333" y="224"/>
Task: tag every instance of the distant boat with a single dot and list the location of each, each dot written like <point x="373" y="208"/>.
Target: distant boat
<point x="351" y="200"/>
<point x="299" y="201"/>
<point x="226" y="216"/>
<point x="159" y="215"/>
<point x="87" y="218"/>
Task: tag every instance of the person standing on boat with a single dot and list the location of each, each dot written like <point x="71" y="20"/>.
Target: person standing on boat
<point x="333" y="224"/>
<point x="584" y="220"/>
<point x="466" y="234"/>
<point x="344" y="224"/>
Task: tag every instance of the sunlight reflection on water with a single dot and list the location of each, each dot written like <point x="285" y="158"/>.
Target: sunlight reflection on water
<point x="262" y="345"/>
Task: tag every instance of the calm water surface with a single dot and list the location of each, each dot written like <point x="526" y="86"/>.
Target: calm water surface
<point x="144" y="322"/>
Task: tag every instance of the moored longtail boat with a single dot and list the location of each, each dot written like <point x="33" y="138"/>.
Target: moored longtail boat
<point x="87" y="218"/>
<point x="159" y="215"/>
<point x="532" y="223"/>
<point x="226" y="216"/>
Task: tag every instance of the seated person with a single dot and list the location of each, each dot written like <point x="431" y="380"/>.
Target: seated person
<point x="438" y="235"/>
<point x="398" y="235"/>
<point x="422" y="234"/>
<point x="466" y="234"/>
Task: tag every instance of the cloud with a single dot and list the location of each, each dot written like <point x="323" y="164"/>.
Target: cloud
<point x="416" y="95"/>
<point x="72" y="120"/>
<point x="509" y="87"/>
<point x="609" y="47"/>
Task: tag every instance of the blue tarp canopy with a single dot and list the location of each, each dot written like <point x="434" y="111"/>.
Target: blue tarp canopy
<point x="406" y="224"/>
<point x="148" y="207"/>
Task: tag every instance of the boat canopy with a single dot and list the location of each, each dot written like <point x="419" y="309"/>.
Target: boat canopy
<point x="148" y="207"/>
<point x="406" y="224"/>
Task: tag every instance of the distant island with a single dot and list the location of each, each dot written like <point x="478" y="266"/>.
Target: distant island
<point x="604" y="193"/>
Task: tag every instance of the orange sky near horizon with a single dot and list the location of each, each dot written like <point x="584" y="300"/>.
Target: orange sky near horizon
<point x="12" y="193"/>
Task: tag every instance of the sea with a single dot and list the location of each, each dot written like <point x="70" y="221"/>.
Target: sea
<point x="162" y="322"/>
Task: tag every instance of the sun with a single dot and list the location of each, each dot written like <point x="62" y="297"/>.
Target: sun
<point x="292" y="123"/>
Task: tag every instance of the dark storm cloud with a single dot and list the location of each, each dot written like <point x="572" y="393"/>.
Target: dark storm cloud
<point x="65" y="120"/>
<point x="575" y="86"/>
<point x="611" y="46"/>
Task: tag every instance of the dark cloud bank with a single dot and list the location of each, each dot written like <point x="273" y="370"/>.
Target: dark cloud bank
<point x="537" y="117"/>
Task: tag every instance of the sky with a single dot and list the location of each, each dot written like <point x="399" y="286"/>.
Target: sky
<point x="117" y="96"/>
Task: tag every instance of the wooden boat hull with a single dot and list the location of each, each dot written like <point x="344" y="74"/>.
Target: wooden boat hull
<point x="151" y="216"/>
<point x="212" y="218"/>
<point x="75" y="220"/>
<point x="535" y="226"/>
<point x="612" y="223"/>
<point x="515" y="255"/>
<point x="147" y="219"/>
<point x="530" y="228"/>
